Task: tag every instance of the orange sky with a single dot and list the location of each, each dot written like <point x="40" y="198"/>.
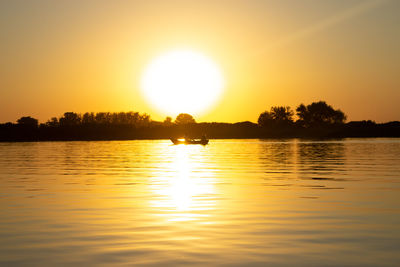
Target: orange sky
<point x="80" y="56"/>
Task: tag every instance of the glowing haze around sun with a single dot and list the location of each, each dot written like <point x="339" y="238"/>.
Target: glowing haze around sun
<point x="182" y="81"/>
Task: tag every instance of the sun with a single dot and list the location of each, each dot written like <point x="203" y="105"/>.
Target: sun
<point x="182" y="81"/>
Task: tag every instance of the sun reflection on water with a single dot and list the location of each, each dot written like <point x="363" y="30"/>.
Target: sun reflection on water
<point x="185" y="188"/>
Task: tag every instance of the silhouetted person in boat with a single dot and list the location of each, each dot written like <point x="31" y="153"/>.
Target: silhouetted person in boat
<point x="186" y="137"/>
<point x="203" y="137"/>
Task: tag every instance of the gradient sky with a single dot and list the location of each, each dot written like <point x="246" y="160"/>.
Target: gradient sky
<point x="80" y="56"/>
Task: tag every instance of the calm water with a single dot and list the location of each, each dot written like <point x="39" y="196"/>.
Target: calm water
<point x="233" y="202"/>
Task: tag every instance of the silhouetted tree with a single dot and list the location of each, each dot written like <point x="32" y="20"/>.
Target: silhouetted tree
<point x="184" y="118"/>
<point x="319" y="113"/>
<point x="265" y="119"/>
<point x="53" y="122"/>
<point x="168" y="121"/>
<point x="28" y="121"/>
<point x="101" y="118"/>
<point x="143" y="120"/>
<point x="277" y="116"/>
<point x="282" y="114"/>
<point x="70" y="119"/>
<point x="88" y="118"/>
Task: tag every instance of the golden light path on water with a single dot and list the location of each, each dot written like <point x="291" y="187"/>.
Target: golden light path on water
<point x="182" y="188"/>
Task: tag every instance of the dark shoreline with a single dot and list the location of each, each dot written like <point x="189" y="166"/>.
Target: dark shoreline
<point x="242" y="130"/>
<point x="272" y="139"/>
<point x="317" y="120"/>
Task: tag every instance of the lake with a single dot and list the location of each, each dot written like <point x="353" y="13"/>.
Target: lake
<point x="233" y="202"/>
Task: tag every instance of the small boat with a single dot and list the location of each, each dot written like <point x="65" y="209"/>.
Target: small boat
<point x="189" y="141"/>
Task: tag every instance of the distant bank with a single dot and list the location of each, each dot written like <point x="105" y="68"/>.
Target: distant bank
<point x="316" y="120"/>
<point x="16" y="132"/>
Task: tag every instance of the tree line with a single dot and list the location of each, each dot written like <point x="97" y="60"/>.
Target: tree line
<point x="315" y="114"/>
<point x="103" y="118"/>
<point x="316" y="120"/>
<point x="312" y="115"/>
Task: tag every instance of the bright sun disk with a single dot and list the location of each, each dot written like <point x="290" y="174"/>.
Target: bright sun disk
<point x="182" y="82"/>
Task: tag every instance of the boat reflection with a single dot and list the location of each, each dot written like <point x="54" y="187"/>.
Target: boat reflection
<point x="185" y="189"/>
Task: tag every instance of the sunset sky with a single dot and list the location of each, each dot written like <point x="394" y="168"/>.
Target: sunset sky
<point x="79" y="56"/>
